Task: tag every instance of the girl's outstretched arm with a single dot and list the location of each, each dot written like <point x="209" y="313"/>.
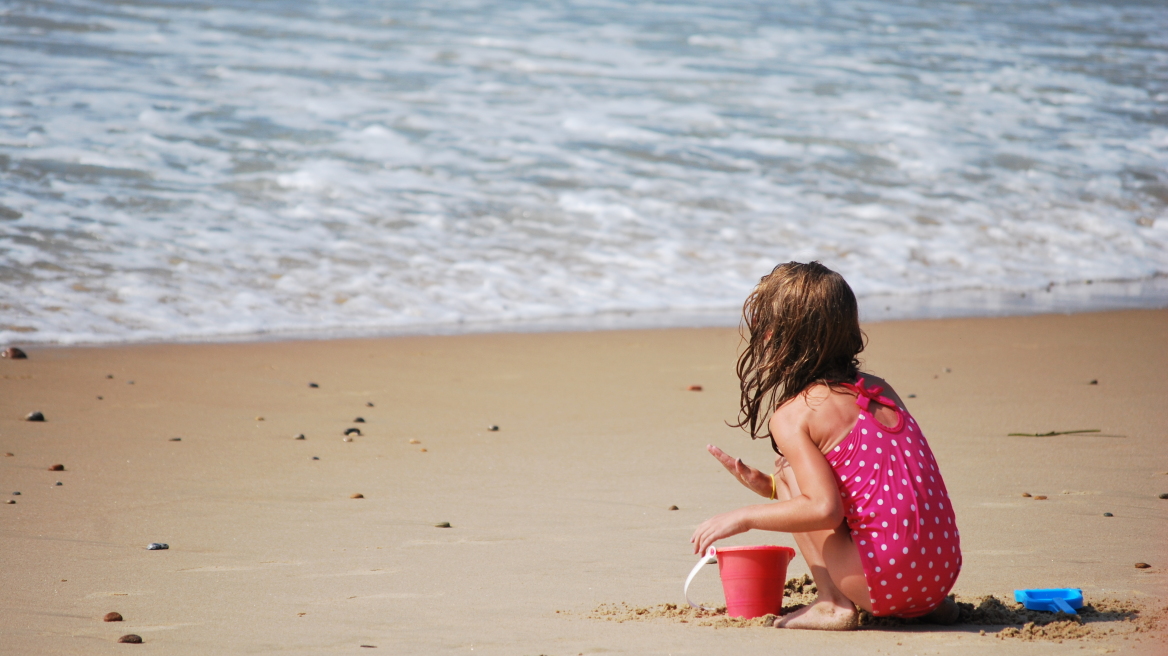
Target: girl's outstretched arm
<point x="818" y="505"/>
<point x="754" y="480"/>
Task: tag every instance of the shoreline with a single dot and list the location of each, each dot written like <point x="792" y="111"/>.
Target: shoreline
<point x="1069" y="298"/>
<point x="564" y="508"/>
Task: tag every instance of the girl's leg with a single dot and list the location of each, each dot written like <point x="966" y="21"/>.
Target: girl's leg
<point x="835" y="566"/>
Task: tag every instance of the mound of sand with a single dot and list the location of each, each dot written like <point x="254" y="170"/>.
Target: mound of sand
<point x="1104" y="617"/>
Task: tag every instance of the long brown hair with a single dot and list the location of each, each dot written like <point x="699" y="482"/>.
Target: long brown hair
<point x="804" y="328"/>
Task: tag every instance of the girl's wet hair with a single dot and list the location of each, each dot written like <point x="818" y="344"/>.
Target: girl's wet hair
<point x="803" y="328"/>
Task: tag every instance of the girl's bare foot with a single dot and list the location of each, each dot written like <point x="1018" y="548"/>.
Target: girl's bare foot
<point x="822" y="615"/>
<point x="945" y="614"/>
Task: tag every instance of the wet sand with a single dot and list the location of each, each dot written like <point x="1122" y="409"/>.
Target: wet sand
<point x="565" y="507"/>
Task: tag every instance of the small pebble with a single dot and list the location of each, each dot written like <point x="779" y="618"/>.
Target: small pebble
<point x="674" y="508"/>
<point x="912" y="396"/>
<point x="447" y="525"/>
<point x="1142" y="566"/>
<point x="315" y="458"/>
<point x="57" y="468"/>
<point x="9" y="454"/>
<point x="423" y="449"/>
<point x="129" y="382"/>
<point x="299" y="437"/>
<point x="348" y="439"/>
<point x="35" y="416"/>
<point x="370" y="646"/>
<point x="313" y="385"/>
<point x="131" y="638"/>
<point x="112" y="617"/>
<point x="357" y="495"/>
<point x="948" y="370"/>
<point x="156" y="546"/>
<point x="694" y="388"/>
<point x="13" y="353"/>
<point x="259" y="418"/>
<point x="100" y="398"/>
<point x="1093" y="382"/>
<point x="412" y="441"/>
<point x="59" y="483"/>
<point x="368" y="404"/>
<point x="1164" y="495"/>
<point x="1108" y="515"/>
<point x="109" y="375"/>
<point x="1025" y="494"/>
<point x="492" y="428"/>
<point x="10" y="501"/>
<point x="176" y="439"/>
<point x="351" y="431"/>
<point x="359" y="420"/>
<point x="1040" y="497"/>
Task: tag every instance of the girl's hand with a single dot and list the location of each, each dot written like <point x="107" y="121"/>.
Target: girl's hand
<point x="718" y="527"/>
<point x="753" y="479"/>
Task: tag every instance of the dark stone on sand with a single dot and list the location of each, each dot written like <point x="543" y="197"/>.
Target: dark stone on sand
<point x="36" y="415"/>
<point x="11" y="501"/>
<point x="299" y="437"/>
<point x="1093" y="382"/>
<point x="674" y="508"/>
<point x="369" y="646"/>
<point x="368" y="404"/>
<point x="351" y="431"/>
<point x="315" y="457"/>
<point x="100" y="398"/>
<point x="1025" y="494"/>
<point x="176" y="439"/>
<point x="13" y="353"/>
<point x="16" y="494"/>
<point x="112" y="617"/>
<point x="1164" y="495"/>
<point x="359" y="420"/>
<point x="1142" y="566"/>
<point x="442" y="525"/>
<point x="59" y="484"/>
<point x="1108" y="515"/>
<point x="357" y="495"/>
<point x="912" y="396"/>
<point x="492" y="428"/>
<point x="131" y="639"/>
<point x="129" y="382"/>
<point x="313" y="385"/>
<point x="57" y="468"/>
<point x="694" y="388"/>
<point x="109" y="375"/>
<point x="9" y="454"/>
<point x="157" y="546"/>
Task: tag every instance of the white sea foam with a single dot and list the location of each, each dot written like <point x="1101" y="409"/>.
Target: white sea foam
<point x="175" y="170"/>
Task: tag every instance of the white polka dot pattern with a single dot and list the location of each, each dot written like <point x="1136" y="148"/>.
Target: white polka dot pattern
<point x="877" y="498"/>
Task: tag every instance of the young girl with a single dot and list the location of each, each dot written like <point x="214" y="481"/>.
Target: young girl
<point x="855" y="480"/>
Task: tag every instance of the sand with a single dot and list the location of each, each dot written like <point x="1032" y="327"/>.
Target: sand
<point x="564" y="508"/>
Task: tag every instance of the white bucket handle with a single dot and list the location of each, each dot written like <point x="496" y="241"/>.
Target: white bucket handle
<point x="710" y="557"/>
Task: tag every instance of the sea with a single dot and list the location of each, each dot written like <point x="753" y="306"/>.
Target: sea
<point x="251" y="169"/>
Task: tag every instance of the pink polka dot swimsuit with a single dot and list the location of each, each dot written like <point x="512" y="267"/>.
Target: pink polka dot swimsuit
<point x="897" y="509"/>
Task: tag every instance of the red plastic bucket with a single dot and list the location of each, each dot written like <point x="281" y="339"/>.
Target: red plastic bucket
<point x="753" y="578"/>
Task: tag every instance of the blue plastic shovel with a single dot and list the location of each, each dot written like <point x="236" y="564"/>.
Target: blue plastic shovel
<point x="1067" y="600"/>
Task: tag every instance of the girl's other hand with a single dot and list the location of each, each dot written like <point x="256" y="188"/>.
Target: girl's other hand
<point x="753" y="479"/>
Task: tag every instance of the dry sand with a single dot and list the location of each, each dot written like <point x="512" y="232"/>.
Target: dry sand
<point x="563" y="508"/>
